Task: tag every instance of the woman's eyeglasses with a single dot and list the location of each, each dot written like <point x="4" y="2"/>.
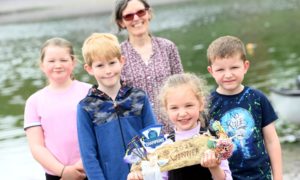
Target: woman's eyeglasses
<point x="140" y="13"/>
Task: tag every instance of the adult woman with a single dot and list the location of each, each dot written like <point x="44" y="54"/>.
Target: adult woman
<point x="149" y="60"/>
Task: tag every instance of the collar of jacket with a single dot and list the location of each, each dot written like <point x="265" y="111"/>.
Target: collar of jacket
<point x="94" y="91"/>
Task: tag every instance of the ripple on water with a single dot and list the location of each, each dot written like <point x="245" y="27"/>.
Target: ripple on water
<point x="8" y="129"/>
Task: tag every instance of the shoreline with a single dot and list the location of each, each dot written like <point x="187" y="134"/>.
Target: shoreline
<point x="22" y="11"/>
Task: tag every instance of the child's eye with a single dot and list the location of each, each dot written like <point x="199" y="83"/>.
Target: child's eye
<point x="112" y="62"/>
<point x="173" y="108"/>
<point x="219" y="70"/>
<point x="99" y="65"/>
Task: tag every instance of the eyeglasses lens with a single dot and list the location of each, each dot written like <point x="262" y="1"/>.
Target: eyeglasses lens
<point x="130" y="17"/>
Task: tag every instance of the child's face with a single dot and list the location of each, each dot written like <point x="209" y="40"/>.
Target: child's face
<point x="106" y="72"/>
<point x="57" y="64"/>
<point x="140" y="23"/>
<point x="229" y="74"/>
<point x="183" y="107"/>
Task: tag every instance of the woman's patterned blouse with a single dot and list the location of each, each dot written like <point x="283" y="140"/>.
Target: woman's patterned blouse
<point x="164" y="62"/>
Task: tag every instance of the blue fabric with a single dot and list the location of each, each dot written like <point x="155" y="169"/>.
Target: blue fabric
<point x="244" y="115"/>
<point x="105" y="127"/>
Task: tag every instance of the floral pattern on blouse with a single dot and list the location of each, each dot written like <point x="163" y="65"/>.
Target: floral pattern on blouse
<point x="164" y="62"/>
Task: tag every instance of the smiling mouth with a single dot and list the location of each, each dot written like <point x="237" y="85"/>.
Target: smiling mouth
<point x="139" y="24"/>
<point x="184" y="120"/>
<point x="108" y="77"/>
<point x="229" y="81"/>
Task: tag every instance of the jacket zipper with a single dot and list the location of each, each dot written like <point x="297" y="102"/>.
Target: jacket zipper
<point x="120" y="126"/>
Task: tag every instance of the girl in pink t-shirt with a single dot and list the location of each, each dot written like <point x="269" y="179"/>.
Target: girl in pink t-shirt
<point x="50" y="113"/>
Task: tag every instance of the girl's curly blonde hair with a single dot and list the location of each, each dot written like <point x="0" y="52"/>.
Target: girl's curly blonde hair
<point x="196" y="83"/>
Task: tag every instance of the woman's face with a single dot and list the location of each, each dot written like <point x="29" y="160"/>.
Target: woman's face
<point x="136" y="18"/>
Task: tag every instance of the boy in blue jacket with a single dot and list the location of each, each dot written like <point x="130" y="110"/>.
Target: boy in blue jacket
<point x="111" y="114"/>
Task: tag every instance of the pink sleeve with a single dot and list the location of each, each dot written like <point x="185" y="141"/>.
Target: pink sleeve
<point x="31" y="117"/>
<point x="164" y="175"/>
<point x="225" y="166"/>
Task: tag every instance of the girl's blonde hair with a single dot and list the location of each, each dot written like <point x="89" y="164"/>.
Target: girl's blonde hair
<point x="196" y="83"/>
<point x="101" y="46"/>
<point x="59" y="42"/>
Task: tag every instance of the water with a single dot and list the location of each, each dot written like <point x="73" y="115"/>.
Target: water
<point x="20" y="75"/>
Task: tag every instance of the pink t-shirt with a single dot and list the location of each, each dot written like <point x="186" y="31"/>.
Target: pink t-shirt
<point x="55" y="112"/>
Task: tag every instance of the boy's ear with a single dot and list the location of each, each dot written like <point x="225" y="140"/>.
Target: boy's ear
<point x="209" y="69"/>
<point x="246" y="65"/>
<point x="88" y="69"/>
<point x="122" y="60"/>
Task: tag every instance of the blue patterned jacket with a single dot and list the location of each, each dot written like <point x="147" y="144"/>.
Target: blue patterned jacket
<point x="105" y="127"/>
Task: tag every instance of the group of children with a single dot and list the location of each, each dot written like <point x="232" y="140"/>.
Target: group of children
<point x="78" y="131"/>
<point x="111" y="113"/>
